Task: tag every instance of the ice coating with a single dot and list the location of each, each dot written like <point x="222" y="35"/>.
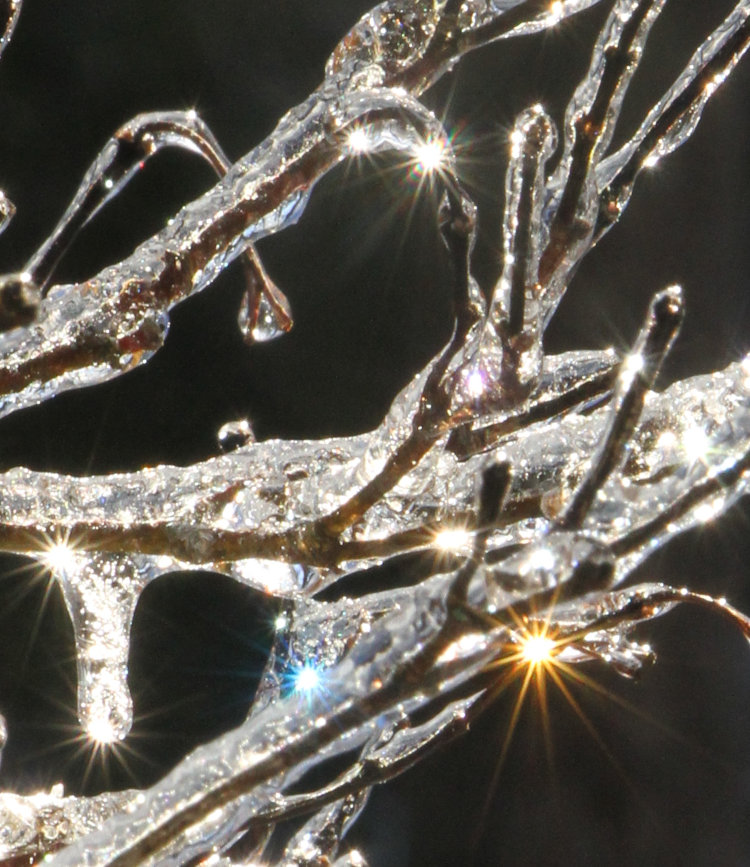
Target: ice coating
<point x="274" y="485"/>
<point x="9" y="12"/>
<point x="675" y="116"/>
<point x="116" y="320"/>
<point x="689" y="434"/>
<point x="598" y="469"/>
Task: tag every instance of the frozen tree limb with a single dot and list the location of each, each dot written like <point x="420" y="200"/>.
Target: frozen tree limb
<point x="537" y="483"/>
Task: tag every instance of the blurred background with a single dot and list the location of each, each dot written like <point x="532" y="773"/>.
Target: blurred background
<point x="657" y="771"/>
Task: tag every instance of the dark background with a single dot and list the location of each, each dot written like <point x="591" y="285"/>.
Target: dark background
<point x="660" y="774"/>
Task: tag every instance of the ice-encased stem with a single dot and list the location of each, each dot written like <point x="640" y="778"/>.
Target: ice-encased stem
<point x="675" y="116"/>
<point x="280" y="741"/>
<point x="290" y="518"/>
<point x="590" y="120"/>
<point x="533" y="141"/>
<point x="91" y="332"/>
<point x="638" y="373"/>
<point x="9" y="12"/>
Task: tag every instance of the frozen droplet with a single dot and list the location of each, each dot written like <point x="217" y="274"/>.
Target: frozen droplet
<point x="260" y="320"/>
<point x="265" y="312"/>
<point x="19" y="300"/>
<point x="234" y="434"/>
<point x="7" y="210"/>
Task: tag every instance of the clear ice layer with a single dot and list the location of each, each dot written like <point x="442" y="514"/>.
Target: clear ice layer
<point x="532" y="484"/>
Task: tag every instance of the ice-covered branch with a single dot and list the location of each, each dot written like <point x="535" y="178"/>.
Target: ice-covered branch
<point x="87" y="333"/>
<point x="530" y="484"/>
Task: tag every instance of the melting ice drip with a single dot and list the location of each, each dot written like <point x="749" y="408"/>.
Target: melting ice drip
<point x="602" y="468"/>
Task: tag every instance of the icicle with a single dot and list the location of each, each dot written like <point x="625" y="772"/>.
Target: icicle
<point x="101" y="593"/>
